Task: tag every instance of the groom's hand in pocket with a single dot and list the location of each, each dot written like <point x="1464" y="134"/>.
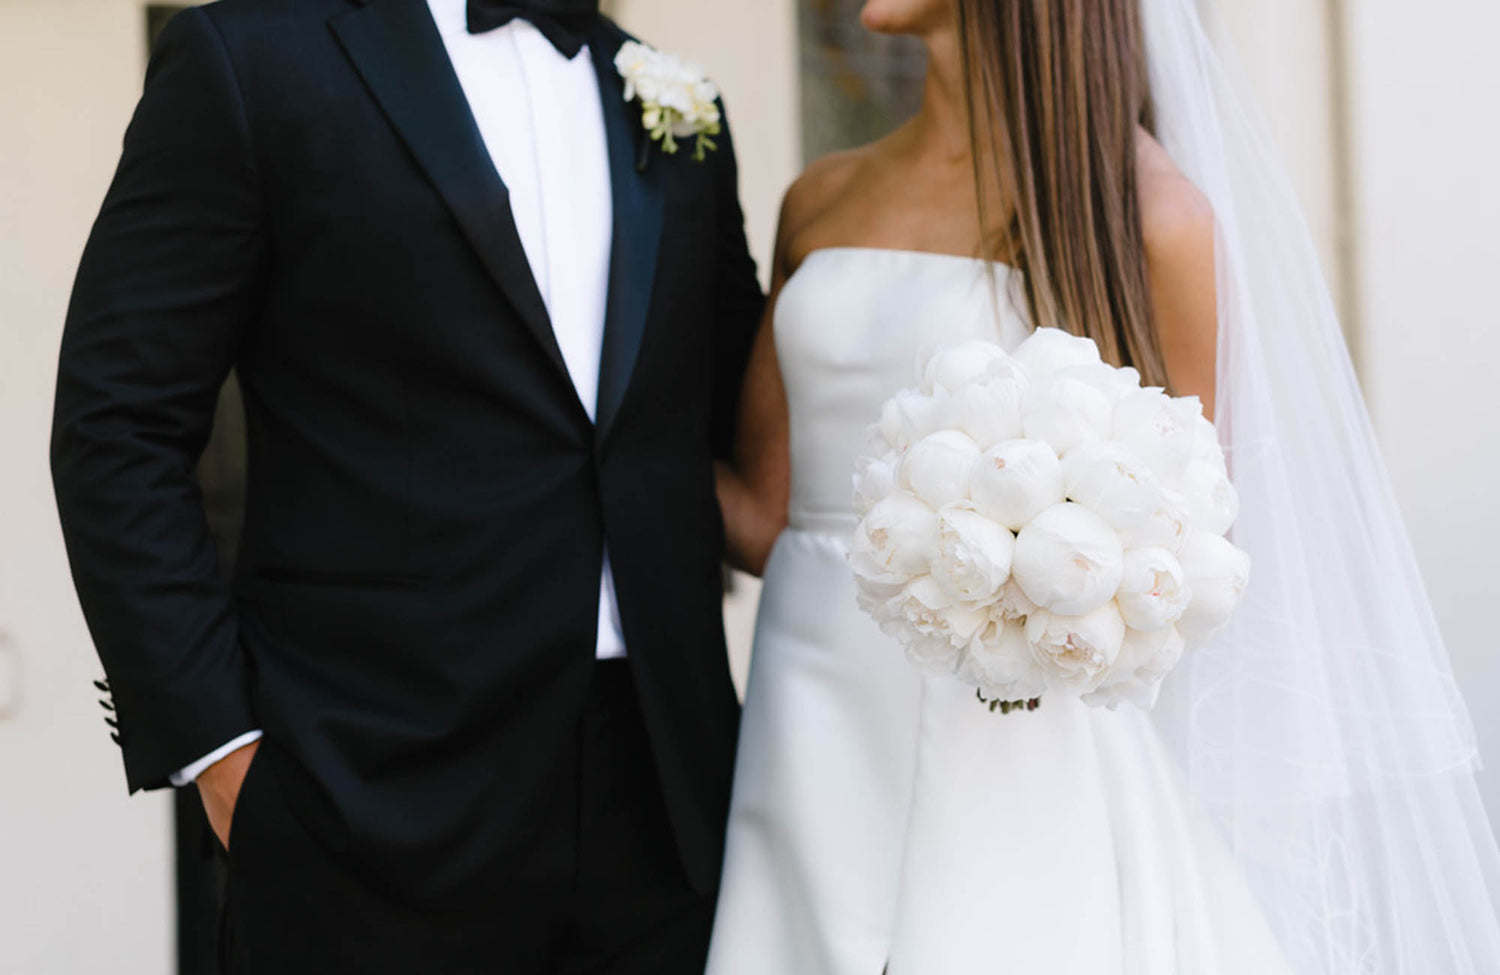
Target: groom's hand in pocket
<point x="219" y="787"/>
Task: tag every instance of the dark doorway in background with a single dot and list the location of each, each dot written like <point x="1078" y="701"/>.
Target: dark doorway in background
<point x="856" y="86"/>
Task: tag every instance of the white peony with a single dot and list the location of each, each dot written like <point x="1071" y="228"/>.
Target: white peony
<point x="1111" y="480"/>
<point x="938" y="467"/>
<point x="933" y="629"/>
<point x="973" y="555"/>
<point x="988" y="410"/>
<point x="1163" y="430"/>
<point x="895" y="541"/>
<point x="1068" y="560"/>
<point x="1076" y="652"/>
<point x="1038" y="522"/>
<point x="874" y="478"/>
<point x="1206" y="444"/>
<point x="1112" y="382"/>
<point x="954" y="366"/>
<point x="1048" y="350"/>
<point x="1152" y="593"/>
<point x="1016" y="480"/>
<point x="906" y="418"/>
<point x="1212" y="502"/>
<point x="1065" y="412"/>
<point x="1012" y="606"/>
<point x="1144" y="660"/>
<point x="1216" y="573"/>
<point x="1002" y="664"/>
<point x="934" y="653"/>
<point x="1154" y="655"/>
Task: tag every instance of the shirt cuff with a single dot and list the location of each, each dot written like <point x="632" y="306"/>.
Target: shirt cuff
<point x="190" y="774"/>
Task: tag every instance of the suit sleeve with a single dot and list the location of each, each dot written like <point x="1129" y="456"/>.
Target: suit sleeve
<point x="167" y="285"/>
<point x="739" y="301"/>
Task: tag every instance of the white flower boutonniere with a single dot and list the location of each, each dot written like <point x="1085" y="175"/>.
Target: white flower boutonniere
<point x="677" y="99"/>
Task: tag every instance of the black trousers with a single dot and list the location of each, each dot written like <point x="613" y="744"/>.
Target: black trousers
<point x="604" y="892"/>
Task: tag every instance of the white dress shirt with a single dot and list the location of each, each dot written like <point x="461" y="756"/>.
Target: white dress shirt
<point x="543" y="123"/>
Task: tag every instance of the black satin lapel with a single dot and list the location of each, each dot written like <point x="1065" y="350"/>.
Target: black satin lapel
<point x="397" y="49"/>
<point x="638" y="212"/>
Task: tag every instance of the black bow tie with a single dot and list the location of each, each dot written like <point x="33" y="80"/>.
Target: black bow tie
<point x="566" y="23"/>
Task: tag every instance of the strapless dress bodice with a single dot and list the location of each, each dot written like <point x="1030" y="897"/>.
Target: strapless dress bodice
<point x="851" y="326"/>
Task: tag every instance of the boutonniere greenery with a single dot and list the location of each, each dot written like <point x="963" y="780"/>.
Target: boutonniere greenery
<point x="677" y="100"/>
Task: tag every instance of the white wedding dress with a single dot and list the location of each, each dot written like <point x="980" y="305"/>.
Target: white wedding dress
<point x="880" y="818"/>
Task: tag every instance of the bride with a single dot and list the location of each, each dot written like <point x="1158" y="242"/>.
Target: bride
<point x="1301" y="800"/>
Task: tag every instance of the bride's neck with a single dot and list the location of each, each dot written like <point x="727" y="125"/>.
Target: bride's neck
<point x="940" y="129"/>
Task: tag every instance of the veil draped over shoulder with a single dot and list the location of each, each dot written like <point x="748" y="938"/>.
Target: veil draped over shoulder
<point x="1323" y="732"/>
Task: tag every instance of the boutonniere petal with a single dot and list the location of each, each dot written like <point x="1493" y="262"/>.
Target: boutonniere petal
<point x="677" y="100"/>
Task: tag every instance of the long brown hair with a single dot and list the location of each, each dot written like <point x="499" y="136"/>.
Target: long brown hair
<point x="1055" y="91"/>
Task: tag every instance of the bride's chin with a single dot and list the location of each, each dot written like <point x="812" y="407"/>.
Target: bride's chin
<point x="902" y="16"/>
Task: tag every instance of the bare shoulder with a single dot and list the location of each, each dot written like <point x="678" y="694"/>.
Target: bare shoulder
<point x="1177" y="219"/>
<point x="822" y="180"/>
<point x="811" y="199"/>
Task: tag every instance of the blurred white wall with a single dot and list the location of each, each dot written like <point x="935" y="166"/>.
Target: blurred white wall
<point x="1423" y="81"/>
<point x="1287" y="52"/>
<point x="85" y="874"/>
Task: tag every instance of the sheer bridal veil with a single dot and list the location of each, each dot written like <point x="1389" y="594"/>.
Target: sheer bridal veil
<point x="1323" y="732"/>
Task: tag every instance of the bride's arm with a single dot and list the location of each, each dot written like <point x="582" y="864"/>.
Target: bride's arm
<point x="1177" y="223"/>
<point x="754" y="484"/>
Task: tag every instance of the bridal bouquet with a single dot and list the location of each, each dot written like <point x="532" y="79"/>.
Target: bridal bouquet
<point x="1038" y="523"/>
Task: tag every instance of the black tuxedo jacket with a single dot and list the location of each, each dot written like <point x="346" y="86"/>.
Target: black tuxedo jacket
<point x="304" y="196"/>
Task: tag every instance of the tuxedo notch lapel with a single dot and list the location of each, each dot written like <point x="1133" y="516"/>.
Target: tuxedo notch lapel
<point x="638" y="211"/>
<point x="396" y="48"/>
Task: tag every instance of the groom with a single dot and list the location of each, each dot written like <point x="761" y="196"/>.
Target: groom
<point x="464" y="707"/>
